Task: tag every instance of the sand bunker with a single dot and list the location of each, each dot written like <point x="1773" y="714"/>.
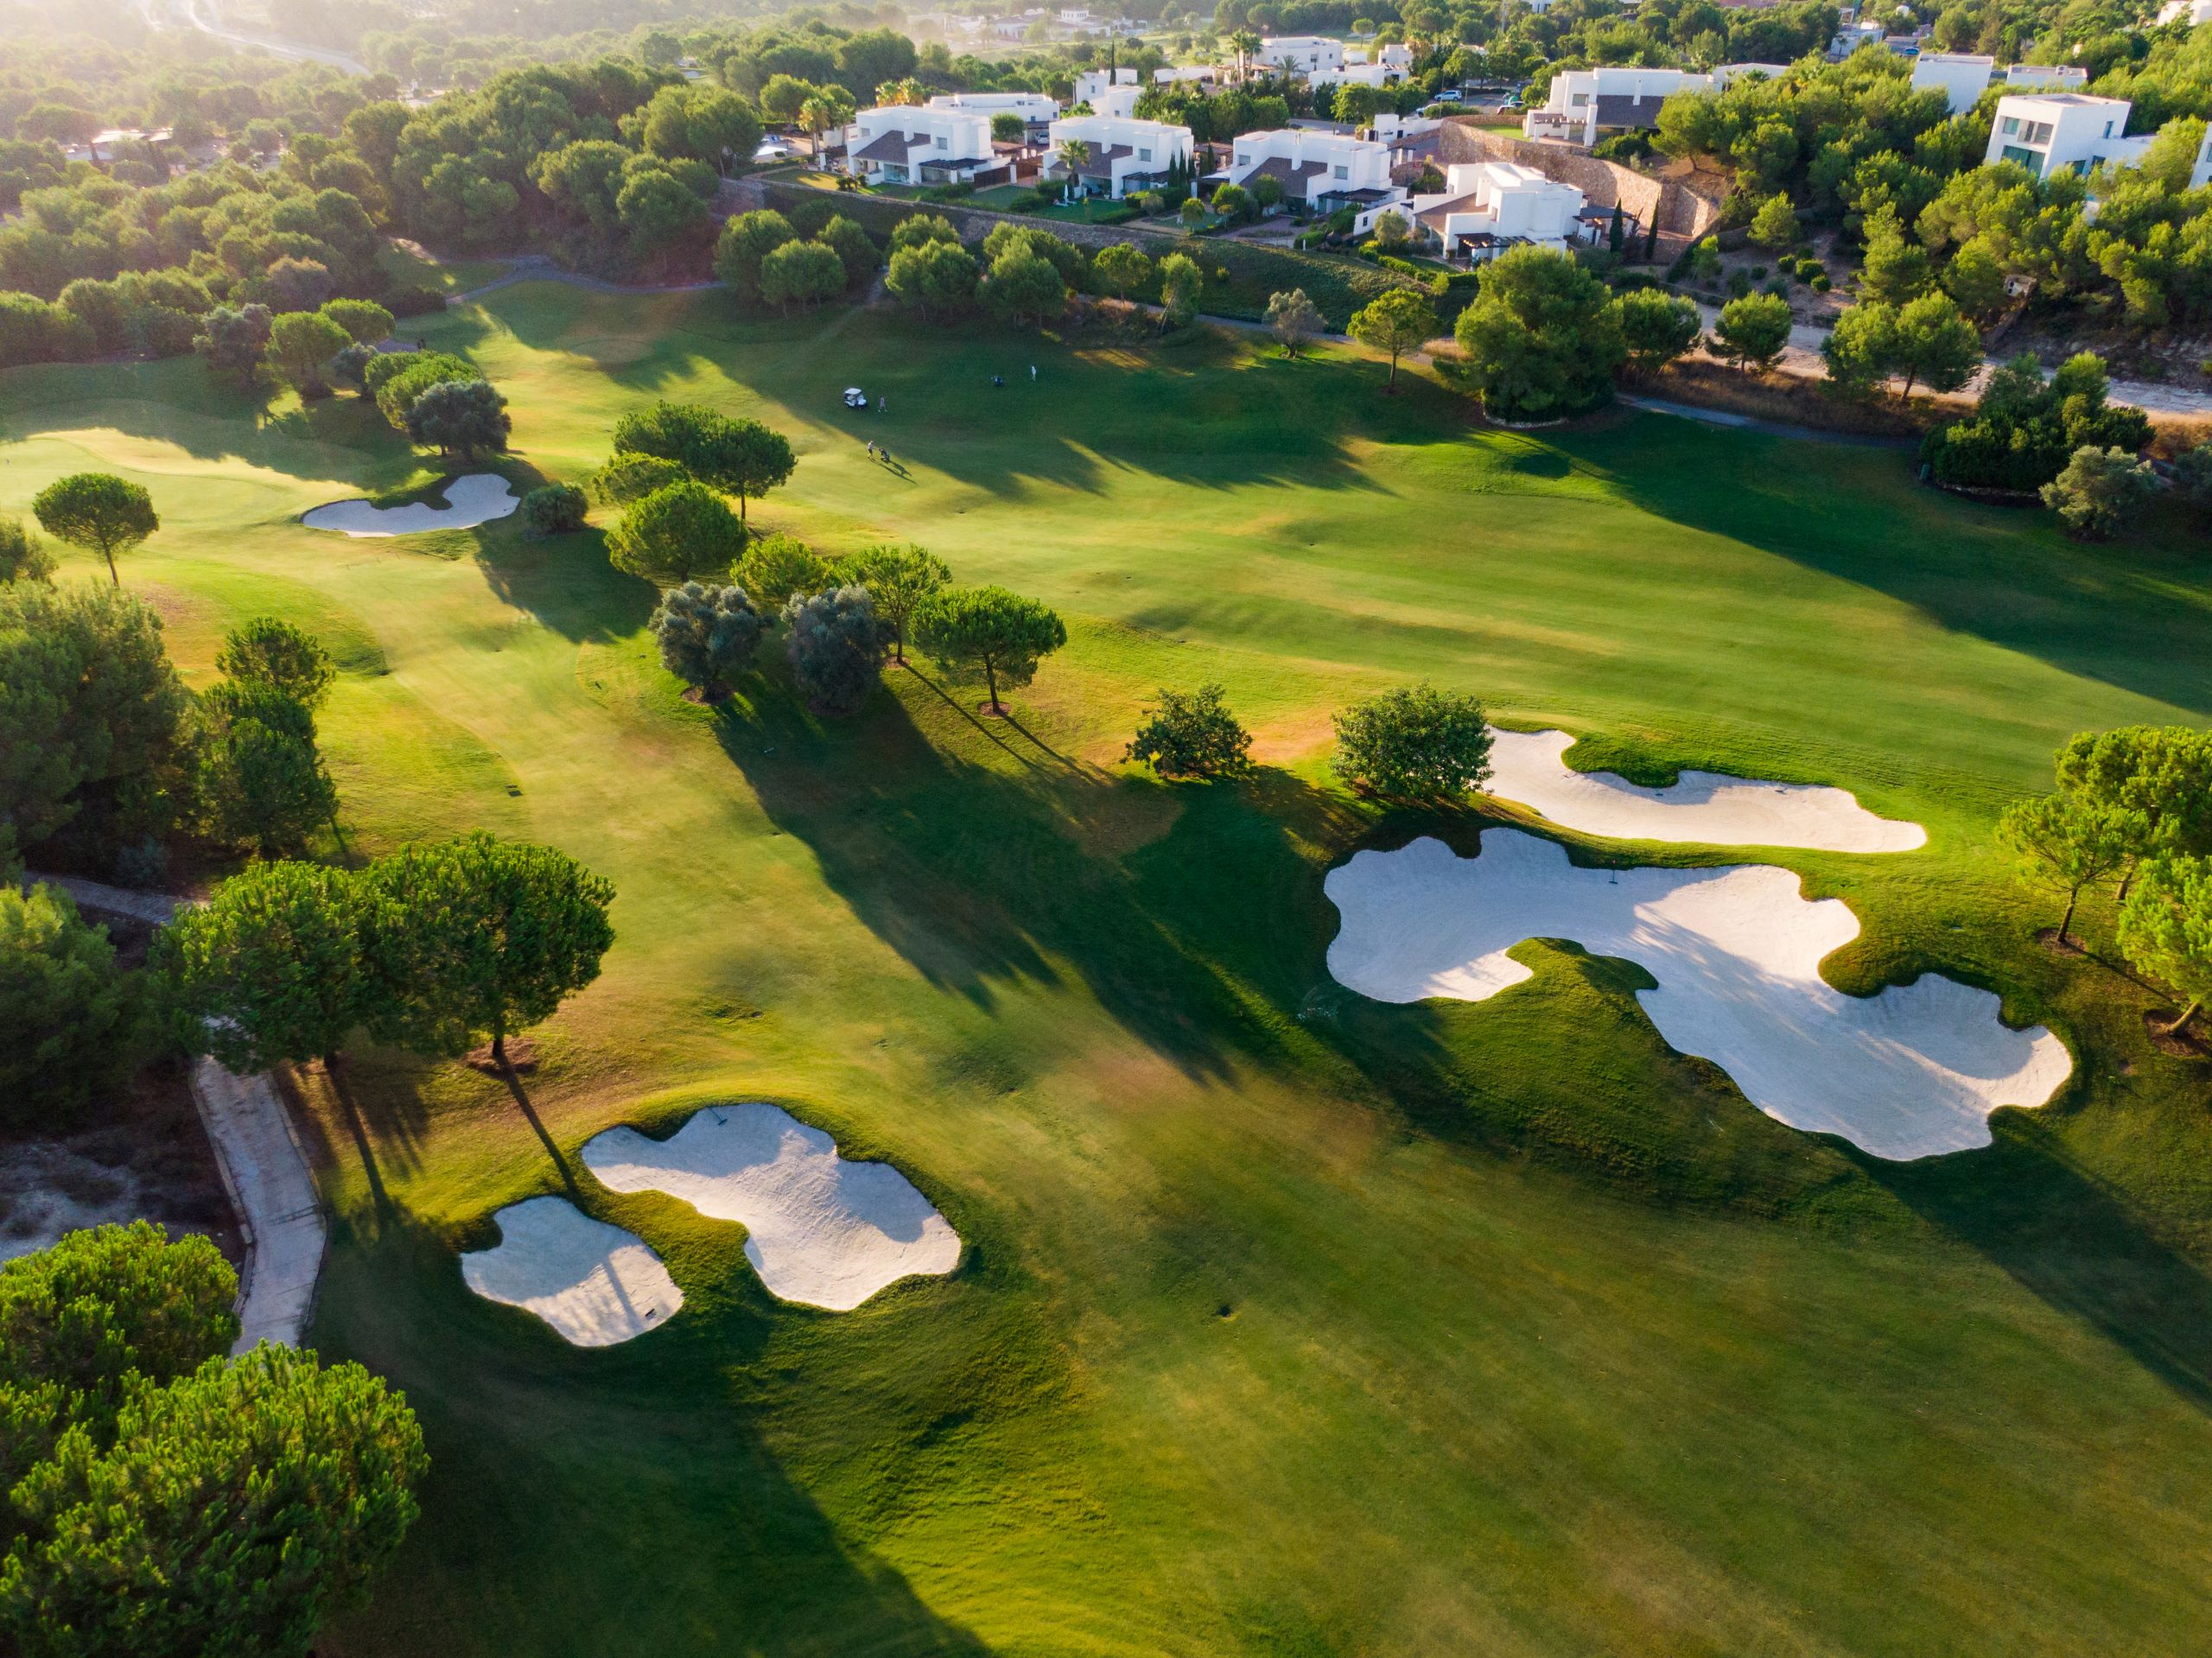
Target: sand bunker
<point x="1706" y="807"/>
<point x="478" y="499"/>
<point x="1912" y="1072"/>
<point x="596" y="1284"/>
<point x="820" y="1230"/>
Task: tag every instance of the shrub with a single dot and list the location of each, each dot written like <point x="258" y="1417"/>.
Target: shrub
<point x="32" y="331"/>
<point x="778" y="568"/>
<point x="24" y="556"/>
<point x="415" y="302"/>
<point x="837" y="643"/>
<point x="1414" y="743"/>
<point x="708" y="635"/>
<point x="270" y="652"/>
<point x="65" y="1007"/>
<point x="2024" y="432"/>
<point x="1192" y="734"/>
<point x="2099" y="491"/>
<point x="554" y="509"/>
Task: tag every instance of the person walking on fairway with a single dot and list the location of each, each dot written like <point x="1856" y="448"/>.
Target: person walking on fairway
<point x="882" y="403"/>
<point x="1033" y="374"/>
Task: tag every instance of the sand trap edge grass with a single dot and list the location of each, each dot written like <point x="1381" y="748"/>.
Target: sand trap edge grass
<point x="597" y="1284"/>
<point x="477" y="497"/>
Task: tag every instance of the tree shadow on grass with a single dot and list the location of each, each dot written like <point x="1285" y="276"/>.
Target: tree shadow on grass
<point x="2071" y="1242"/>
<point x="621" y="1499"/>
<point x="2106" y="612"/>
<point x="566" y="582"/>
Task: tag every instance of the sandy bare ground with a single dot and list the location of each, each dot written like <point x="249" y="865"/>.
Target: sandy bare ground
<point x="477" y="499"/>
<point x="821" y="1229"/>
<point x="1704" y="807"/>
<point x="1914" y="1071"/>
<point x="596" y="1284"/>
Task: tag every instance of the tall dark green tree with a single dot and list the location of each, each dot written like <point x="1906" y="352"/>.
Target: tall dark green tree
<point x="1001" y="635"/>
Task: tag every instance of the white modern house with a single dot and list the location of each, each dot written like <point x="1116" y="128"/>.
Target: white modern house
<point x="900" y="143"/>
<point x="1109" y="91"/>
<point x="1358" y="74"/>
<point x="1962" y="77"/>
<point x="1319" y="170"/>
<point x="1035" y="109"/>
<point x="2195" y="13"/>
<point x="1487" y="207"/>
<point x="1124" y="153"/>
<point x="1584" y="102"/>
<point x="1307" y="54"/>
<point x="2048" y="132"/>
<point x="2049" y="77"/>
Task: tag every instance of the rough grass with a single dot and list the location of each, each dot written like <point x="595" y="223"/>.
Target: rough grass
<point x="1289" y="1323"/>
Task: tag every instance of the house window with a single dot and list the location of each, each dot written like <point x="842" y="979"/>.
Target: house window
<point x="2027" y="158"/>
<point x="2009" y="125"/>
<point x="1144" y="155"/>
<point x="944" y="143"/>
<point x="2107" y="129"/>
<point x="1343" y="173"/>
<point x="1578" y="100"/>
<point x="1243" y="160"/>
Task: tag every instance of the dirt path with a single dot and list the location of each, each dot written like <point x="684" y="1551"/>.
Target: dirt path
<point x="259" y="1154"/>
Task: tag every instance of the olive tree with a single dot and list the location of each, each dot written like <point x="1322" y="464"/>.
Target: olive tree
<point x="837" y="643"/>
<point x="1001" y="635"/>
<point x="232" y="339"/>
<point x="478" y="938"/>
<point x="1414" y="743"/>
<point x="900" y="579"/>
<point x="1192" y="733"/>
<point x="459" y="417"/>
<point x="554" y="509"/>
<point x="1294" y="320"/>
<point x="97" y="512"/>
<point x="2098" y="494"/>
<point x="708" y="635"/>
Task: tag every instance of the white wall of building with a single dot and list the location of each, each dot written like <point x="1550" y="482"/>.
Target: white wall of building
<point x="1341" y="162"/>
<point x="2048" y="132"/>
<point x="1034" y="108"/>
<point x="1152" y="147"/>
<point x="1962" y="77"/>
<point x="1307" y="53"/>
<point x="1570" y="109"/>
<point x="1498" y="199"/>
<point x="955" y="141"/>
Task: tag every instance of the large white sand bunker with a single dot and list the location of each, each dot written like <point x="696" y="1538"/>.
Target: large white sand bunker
<point x="1912" y="1072"/>
<point x="820" y="1230"/>
<point x="1706" y="807"/>
<point x="478" y="499"/>
<point x="596" y="1284"/>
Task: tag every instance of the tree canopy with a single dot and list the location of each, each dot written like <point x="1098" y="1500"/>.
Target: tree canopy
<point x="1414" y="743"/>
<point x="1541" y="340"/>
<point x="98" y="511"/>
<point x="1001" y="635"/>
<point x="679" y="530"/>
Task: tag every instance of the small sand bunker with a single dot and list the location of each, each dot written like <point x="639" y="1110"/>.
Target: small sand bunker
<point x="478" y="499"/>
<point x="1912" y="1072"/>
<point x="820" y="1230"/>
<point x="1706" y="807"/>
<point x="596" y="1284"/>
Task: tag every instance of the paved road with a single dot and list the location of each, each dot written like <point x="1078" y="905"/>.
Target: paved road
<point x="258" y="1153"/>
<point x="203" y="16"/>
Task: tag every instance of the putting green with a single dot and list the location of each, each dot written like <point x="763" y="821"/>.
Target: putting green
<point x="1285" y="1323"/>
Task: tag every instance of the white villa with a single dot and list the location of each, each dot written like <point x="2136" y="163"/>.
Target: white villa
<point x="1319" y="170"/>
<point x="1358" y="74"/>
<point x="899" y="143"/>
<point x="1962" y="76"/>
<point x="2195" y="13"/>
<point x="2048" y="132"/>
<point x="1125" y="155"/>
<point x="1307" y="54"/>
<point x="1584" y="102"/>
<point x="2049" y="77"/>
<point x="1109" y="91"/>
<point x="1035" y="109"/>
<point x="1487" y="207"/>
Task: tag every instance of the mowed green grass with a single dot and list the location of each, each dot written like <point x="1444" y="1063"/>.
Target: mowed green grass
<point x="1288" y="1323"/>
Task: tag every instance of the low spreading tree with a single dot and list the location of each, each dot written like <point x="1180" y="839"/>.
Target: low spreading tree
<point x="1414" y="743"/>
<point x="23" y="557"/>
<point x="2166" y="929"/>
<point x="396" y="380"/>
<point x="1121" y="269"/>
<point x="921" y="229"/>
<point x="271" y="969"/>
<point x="1294" y="320"/>
<point x="680" y="531"/>
<point x="746" y="241"/>
<point x="1754" y="331"/>
<point x="1023" y="282"/>
<point x="836" y="642"/>
<point x="270" y="652"/>
<point x="900" y="579"/>
<point x="2071" y="840"/>
<point x="232" y="339"/>
<point x="460" y="417"/>
<point x="2099" y="492"/>
<point x="802" y="273"/>
<point x="365" y="321"/>
<point x="1397" y="321"/>
<point x="708" y="635"/>
<point x="628" y="478"/>
<point x="1541" y="340"/>
<point x="1656" y="327"/>
<point x="740" y="457"/>
<point x="262" y="782"/>
<point x="478" y="938"/>
<point x="66" y="1011"/>
<point x="97" y="512"/>
<point x="301" y="347"/>
<point x="1192" y="734"/>
<point x="1000" y="635"/>
<point x="554" y="509"/>
<point x="778" y="568"/>
<point x="936" y="278"/>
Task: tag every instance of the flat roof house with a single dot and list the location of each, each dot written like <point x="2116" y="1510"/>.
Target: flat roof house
<point x="1487" y="207"/>
<point x="2048" y="132"/>
<point x="1035" y="109"/>
<point x="1584" y="102"/>
<point x="2049" y="77"/>
<point x="1125" y="155"/>
<point x="1113" y="91"/>
<point x="898" y="143"/>
<point x="1962" y="76"/>
<point x="1306" y="54"/>
<point x="1319" y="171"/>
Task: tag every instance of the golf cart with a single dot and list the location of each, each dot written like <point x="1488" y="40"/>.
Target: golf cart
<point x="855" y="397"/>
